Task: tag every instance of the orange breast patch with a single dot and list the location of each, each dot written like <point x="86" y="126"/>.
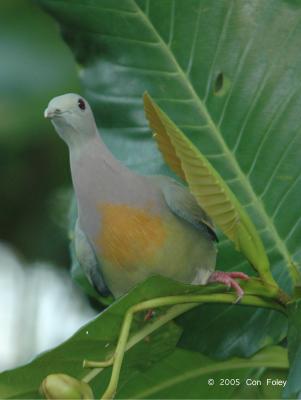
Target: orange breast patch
<point x="129" y="236"/>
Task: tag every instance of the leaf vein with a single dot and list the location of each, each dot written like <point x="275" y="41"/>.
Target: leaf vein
<point x="278" y="164"/>
<point x="263" y="85"/>
<point x="217" y="49"/>
<point x="232" y="159"/>
<point x="172" y="22"/>
<point x="273" y="120"/>
<point x="194" y="41"/>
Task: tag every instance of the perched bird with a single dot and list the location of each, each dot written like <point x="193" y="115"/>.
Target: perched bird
<point x="131" y="226"/>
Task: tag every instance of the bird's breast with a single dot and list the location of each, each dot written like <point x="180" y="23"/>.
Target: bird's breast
<point x="129" y="236"/>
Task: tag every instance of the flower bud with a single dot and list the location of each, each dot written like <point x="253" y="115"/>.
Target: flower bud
<point x="61" y="386"/>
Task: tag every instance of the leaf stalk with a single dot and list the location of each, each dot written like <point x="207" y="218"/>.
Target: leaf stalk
<point x="179" y="305"/>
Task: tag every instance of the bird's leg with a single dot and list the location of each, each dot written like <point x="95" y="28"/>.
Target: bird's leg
<point x="228" y="279"/>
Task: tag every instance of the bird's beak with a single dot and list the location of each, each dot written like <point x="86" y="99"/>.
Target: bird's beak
<point x="52" y="112"/>
<point x="48" y="113"/>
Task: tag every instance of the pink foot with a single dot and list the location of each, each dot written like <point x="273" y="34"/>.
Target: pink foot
<point x="228" y="279"/>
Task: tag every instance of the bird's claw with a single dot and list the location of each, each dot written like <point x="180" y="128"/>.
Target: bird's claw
<point x="228" y="279"/>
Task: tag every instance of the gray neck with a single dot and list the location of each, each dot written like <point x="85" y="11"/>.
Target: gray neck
<point x="92" y="149"/>
<point x="97" y="177"/>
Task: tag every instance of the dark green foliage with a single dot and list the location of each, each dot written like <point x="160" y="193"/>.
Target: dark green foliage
<point x="294" y="351"/>
<point x="228" y="74"/>
<point x="35" y="66"/>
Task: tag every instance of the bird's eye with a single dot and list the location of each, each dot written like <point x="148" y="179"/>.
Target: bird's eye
<point x="81" y="104"/>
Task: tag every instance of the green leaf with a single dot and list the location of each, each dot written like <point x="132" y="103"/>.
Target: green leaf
<point x="184" y="375"/>
<point x="97" y="340"/>
<point x="106" y="80"/>
<point x="293" y="388"/>
<point x="210" y="330"/>
<point x="209" y="189"/>
<point x="228" y="74"/>
<point x="269" y="388"/>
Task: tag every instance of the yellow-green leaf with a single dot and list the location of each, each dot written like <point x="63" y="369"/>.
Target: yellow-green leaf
<point x="208" y="187"/>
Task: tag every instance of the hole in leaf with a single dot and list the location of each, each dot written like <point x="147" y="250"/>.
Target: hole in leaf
<point x="221" y="84"/>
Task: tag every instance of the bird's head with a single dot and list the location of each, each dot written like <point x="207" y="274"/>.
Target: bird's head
<point x="72" y="118"/>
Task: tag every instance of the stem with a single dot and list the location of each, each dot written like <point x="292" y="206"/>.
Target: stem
<point x="171" y="314"/>
<point x="92" y="374"/>
<point x="98" y="364"/>
<point x="223" y="366"/>
<point x="165" y="301"/>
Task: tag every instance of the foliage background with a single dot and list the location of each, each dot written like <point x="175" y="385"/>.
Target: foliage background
<point x="258" y="96"/>
<point x="35" y="183"/>
<point x="35" y="66"/>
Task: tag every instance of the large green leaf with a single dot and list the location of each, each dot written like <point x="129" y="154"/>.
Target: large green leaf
<point x="97" y="340"/>
<point x="208" y="188"/>
<point x="228" y="73"/>
<point x="187" y="375"/>
<point x="181" y="52"/>
<point x="293" y="388"/>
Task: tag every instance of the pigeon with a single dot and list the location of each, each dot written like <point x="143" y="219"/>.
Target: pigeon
<point x="130" y="226"/>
